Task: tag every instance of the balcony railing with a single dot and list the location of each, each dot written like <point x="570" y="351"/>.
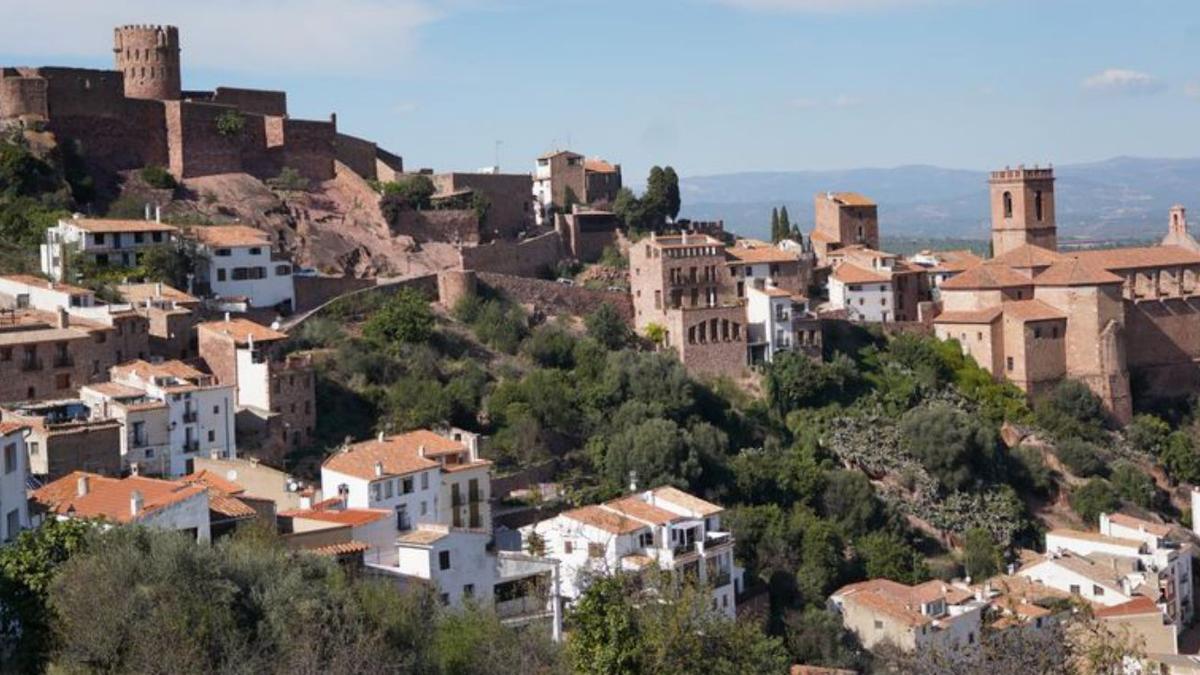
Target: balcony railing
<point x="63" y="361"/>
<point x="721" y="579"/>
<point x="191" y="446"/>
<point x="28" y="365"/>
<point x="683" y="549"/>
<point x="190" y="417"/>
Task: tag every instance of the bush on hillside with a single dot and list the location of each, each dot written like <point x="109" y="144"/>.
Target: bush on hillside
<point x="1080" y="457"/>
<point x="158" y="177"/>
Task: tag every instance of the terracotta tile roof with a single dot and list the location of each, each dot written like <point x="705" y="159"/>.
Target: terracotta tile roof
<point x="147" y="371"/>
<point x="556" y="153"/>
<point x="603" y="519"/>
<point x="1135" y="607"/>
<point x="981" y="316"/>
<point x="212" y="480"/>
<point x="1075" y="272"/>
<point x="957" y="260"/>
<point x="351" y="517"/>
<point x="760" y="254"/>
<point x="40" y="335"/>
<point x="849" y="198"/>
<point x="140" y="293"/>
<point x="242" y="330"/>
<point x="347" y="548"/>
<point x="39" y="282"/>
<point x="229" y="236"/>
<point x="692" y="503"/>
<point x="1027" y="255"/>
<point x="230" y="507"/>
<point x="104" y="225"/>
<point x="1138" y="257"/>
<point x="1156" y="529"/>
<point x="1031" y="310"/>
<point x="1083" y="566"/>
<point x="772" y="291"/>
<point x="7" y="428"/>
<point x="423" y="536"/>
<point x="598" y="166"/>
<point x="399" y="455"/>
<point x="115" y="390"/>
<point x="891" y="606"/>
<point x="636" y="508"/>
<point x="986" y="276"/>
<point x="109" y="498"/>
<point x="849" y="273"/>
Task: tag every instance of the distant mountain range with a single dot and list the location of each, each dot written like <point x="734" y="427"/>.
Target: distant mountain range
<point x="1119" y="198"/>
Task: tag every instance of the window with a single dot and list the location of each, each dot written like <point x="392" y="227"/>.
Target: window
<point x="10" y="458"/>
<point x="12" y="524"/>
<point x="388" y="489"/>
<point x="33" y="447"/>
<point x="443" y="560"/>
<point x="212" y="436"/>
<point x="1037" y="205"/>
<point x="878" y="624"/>
<point x="468" y="590"/>
<point x="408" y="485"/>
<point x="1009" y="362"/>
<point x="1008" y="204"/>
<point x="98" y="239"/>
<point x="255" y="251"/>
<point x="445" y="598"/>
<point x="223" y="252"/>
<point x="283" y="270"/>
<point x="220" y="274"/>
<point x="424" y="476"/>
<point x="156" y="237"/>
<point x="1097" y="590"/>
<point x="595" y="550"/>
<point x="646" y="539"/>
<point x="424" y="508"/>
<point x="138" y="237"/>
<point x="1037" y="332"/>
<point x="1074" y="589"/>
<point x="376" y="491"/>
<point x="979" y="336"/>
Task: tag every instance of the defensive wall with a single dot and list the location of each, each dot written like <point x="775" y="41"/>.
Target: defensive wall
<point x="456" y="225"/>
<point x="555" y="299"/>
<point x="524" y="258"/>
<point x="1162" y="339"/>
<point x="357" y="154"/>
<point x="312" y="292"/>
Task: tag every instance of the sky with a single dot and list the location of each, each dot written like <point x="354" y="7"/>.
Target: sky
<point x="707" y="86"/>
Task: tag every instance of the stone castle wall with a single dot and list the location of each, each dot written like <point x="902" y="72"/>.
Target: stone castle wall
<point x="1163" y="345"/>
<point x="257" y="101"/>
<point x="555" y="299"/>
<point x="456" y="225"/>
<point x="308" y="147"/>
<point x="358" y="154"/>
<point x="524" y="258"/>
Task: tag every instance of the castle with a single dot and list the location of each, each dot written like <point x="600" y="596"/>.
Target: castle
<point x="139" y="115"/>
<point x="1109" y="317"/>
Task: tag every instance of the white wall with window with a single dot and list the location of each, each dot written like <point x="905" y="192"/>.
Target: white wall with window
<point x="14" y="469"/>
<point x="251" y="272"/>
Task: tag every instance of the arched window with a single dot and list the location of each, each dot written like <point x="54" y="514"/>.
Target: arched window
<point x="1008" y="205"/>
<point x="1037" y="204"/>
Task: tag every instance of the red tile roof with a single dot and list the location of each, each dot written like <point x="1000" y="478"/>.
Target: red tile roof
<point x="400" y="455"/>
<point x="986" y="276"/>
<point x="229" y="236"/>
<point x="1156" y="529"/>
<point x="1138" y="257"/>
<point x="850" y="198"/>
<point x="109" y="498"/>
<point x="1027" y="255"/>
<point x="212" y="480"/>
<point x="603" y="519"/>
<point x="7" y="428"/>
<point x="760" y="254"/>
<point x="690" y="502"/>
<point x="242" y="330"/>
<point x="346" y="548"/>
<point x="1075" y="272"/>
<point x="849" y="273"/>
<point x="39" y="282"/>
<point x="99" y="225"/>
<point x="1135" y="607"/>
<point x="981" y="316"/>
<point x="1031" y="310"/>
<point x="598" y="166"/>
<point x="351" y="517"/>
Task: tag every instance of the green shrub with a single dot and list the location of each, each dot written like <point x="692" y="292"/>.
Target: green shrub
<point x="1133" y="484"/>
<point x="608" y="327"/>
<point x="953" y="447"/>
<point x="230" y="123"/>
<point x="158" y="177"/>
<point x="1148" y="434"/>
<point x="1071" y="410"/>
<point x="1080" y="457"/>
<point x="289" y="180"/>
<point x="1093" y="498"/>
<point x="1030" y="472"/>
<point x="404" y="317"/>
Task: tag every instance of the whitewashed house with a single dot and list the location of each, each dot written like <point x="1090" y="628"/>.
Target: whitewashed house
<point x="102" y="241"/>
<point x="664" y="527"/>
<point x="171" y="414"/>
<point x="14" y="469"/>
<point x="237" y="261"/>
<point x="162" y="504"/>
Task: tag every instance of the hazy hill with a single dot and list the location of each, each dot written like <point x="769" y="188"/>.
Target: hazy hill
<point x="1117" y="198"/>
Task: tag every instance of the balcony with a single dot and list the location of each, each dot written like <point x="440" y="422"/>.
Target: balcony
<point x="29" y="365"/>
<point x="721" y="579"/>
<point x="191" y="446"/>
<point x="138" y="441"/>
<point x="63" y="361"/>
<point x="190" y="417"/>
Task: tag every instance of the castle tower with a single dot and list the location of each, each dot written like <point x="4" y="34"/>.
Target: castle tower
<point x="148" y="56"/>
<point x="1023" y="209"/>
<point x="1177" y="225"/>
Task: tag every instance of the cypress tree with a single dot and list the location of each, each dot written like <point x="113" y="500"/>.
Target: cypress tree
<point x="785" y="224"/>
<point x="774" y="225"/>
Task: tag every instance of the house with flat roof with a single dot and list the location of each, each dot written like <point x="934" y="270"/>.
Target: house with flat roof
<point x="103" y="242"/>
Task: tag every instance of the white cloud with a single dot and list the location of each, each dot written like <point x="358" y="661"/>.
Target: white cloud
<point x="320" y="36"/>
<point x="1123" y="81"/>
<point x="823" y="6"/>
<point x="1192" y="89"/>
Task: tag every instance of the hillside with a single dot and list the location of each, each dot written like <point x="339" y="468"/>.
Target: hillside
<point x="1122" y="197"/>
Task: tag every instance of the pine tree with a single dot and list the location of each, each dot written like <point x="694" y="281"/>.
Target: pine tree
<point x="785" y="224"/>
<point x="774" y="225"/>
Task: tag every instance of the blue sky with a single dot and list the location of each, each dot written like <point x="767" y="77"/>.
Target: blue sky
<point x="709" y="86"/>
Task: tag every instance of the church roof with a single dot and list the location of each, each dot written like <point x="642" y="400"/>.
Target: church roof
<point x="986" y="276"/>
<point x="1138" y="257"/>
<point x="1075" y="272"/>
<point x="1028" y="255"/>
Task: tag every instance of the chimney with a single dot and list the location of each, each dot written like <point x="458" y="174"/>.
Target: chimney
<point x="421" y="450"/>
<point x="158" y="288"/>
<point x="157" y="213"/>
<point x="226" y="317"/>
<point x="135" y="503"/>
<point x="378" y="468"/>
<point x="81" y="486"/>
<point x="379" y="437"/>
<point x="64" y="319"/>
<point x="305" y="502"/>
<point x="147" y="216"/>
<point x="633" y="481"/>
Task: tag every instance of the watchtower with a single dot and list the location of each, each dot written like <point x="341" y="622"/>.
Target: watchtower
<point x="148" y="56"/>
<point x="1023" y="209"/>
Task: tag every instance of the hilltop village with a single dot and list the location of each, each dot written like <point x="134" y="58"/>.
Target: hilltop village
<point x="543" y="400"/>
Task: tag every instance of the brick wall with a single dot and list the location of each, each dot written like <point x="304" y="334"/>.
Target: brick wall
<point x="257" y="101"/>
<point x="525" y="258"/>
<point x="294" y="400"/>
<point x="195" y="146"/>
<point x="88" y="360"/>
<point x="554" y="298"/>
<point x="357" y="154"/>
<point x="94" y="447"/>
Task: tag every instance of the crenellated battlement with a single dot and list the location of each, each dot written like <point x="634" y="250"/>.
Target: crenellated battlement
<point x="148" y="57"/>
<point x="1021" y="173"/>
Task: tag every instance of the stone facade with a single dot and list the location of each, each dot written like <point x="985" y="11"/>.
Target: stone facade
<point x="509" y="198"/>
<point x="586" y="232"/>
<point x="842" y="219"/>
<point x="1022" y="209"/>
<point x="59" y="442"/>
